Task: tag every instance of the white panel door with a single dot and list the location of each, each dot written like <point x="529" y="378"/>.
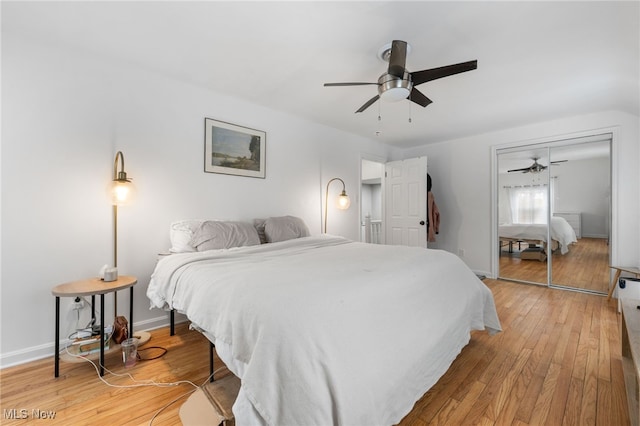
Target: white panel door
<point x="406" y="202"/>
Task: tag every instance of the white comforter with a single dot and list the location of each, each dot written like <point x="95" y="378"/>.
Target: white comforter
<point x="330" y="331"/>
<point x="561" y="231"/>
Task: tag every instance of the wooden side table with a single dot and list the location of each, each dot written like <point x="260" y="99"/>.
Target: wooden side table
<point x="619" y="270"/>
<point x="91" y="287"/>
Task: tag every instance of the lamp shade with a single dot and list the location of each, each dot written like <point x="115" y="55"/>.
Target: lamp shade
<point x="343" y="202"/>
<point x="121" y="192"/>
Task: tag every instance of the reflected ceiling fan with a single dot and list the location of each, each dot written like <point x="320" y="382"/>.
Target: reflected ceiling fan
<point x="398" y="83"/>
<point x="535" y="167"/>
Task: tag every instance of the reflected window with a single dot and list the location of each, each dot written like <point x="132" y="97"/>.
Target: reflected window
<point x="528" y="204"/>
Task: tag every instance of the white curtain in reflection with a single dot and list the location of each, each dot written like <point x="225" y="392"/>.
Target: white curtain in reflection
<point x="528" y="204"/>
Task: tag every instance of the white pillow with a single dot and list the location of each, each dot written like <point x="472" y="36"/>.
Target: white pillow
<point x="212" y="235"/>
<point x="181" y="233"/>
<point x="284" y="228"/>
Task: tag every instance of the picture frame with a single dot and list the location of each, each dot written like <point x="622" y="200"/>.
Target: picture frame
<point x="234" y="150"/>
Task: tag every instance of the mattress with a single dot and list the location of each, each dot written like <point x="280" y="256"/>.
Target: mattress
<point x="323" y="330"/>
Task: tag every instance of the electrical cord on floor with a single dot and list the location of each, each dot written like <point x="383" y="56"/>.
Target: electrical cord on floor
<point x="149" y="358"/>
<point x="157" y="413"/>
<point x="142" y="383"/>
<point x="138" y="383"/>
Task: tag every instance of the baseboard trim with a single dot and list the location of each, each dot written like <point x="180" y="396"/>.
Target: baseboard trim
<point x="483" y="273"/>
<point x="33" y="353"/>
<point x="601" y="236"/>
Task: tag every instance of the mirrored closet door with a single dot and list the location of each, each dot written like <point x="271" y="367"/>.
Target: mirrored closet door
<point x="554" y="213"/>
<point x="523" y="211"/>
<point x="581" y="208"/>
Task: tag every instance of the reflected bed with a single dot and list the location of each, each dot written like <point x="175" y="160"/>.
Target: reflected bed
<point x="562" y="234"/>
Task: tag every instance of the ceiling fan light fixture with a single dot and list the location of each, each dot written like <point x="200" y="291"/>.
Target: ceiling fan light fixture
<point x="395" y="94"/>
<point x="393" y="89"/>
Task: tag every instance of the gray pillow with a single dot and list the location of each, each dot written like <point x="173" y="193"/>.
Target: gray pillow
<point x="284" y="228"/>
<point x="212" y="235"/>
<point x="259" y="225"/>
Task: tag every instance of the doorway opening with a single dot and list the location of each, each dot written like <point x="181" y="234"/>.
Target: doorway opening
<point x="371" y="210"/>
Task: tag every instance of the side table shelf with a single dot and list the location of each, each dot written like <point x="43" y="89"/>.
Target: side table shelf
<point x="142" y="336"/>
<point x="631" y="356"/>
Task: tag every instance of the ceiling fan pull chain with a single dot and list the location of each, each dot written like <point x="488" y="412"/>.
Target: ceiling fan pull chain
<point x="409" y="109"/>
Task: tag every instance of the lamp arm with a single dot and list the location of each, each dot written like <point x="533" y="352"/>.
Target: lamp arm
<point x="119" y="175"/>
<point x="115" y="164"/>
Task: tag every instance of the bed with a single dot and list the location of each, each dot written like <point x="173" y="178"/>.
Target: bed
<point x="324" y="330"/>
<point x="562" y="234"/>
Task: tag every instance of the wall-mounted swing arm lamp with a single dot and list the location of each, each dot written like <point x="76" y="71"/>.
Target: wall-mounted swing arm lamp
<point x="121" y="192"/>
<point x="342" y="202"/>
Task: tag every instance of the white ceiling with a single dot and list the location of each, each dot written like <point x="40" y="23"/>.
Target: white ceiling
<point x="536" y="60"/>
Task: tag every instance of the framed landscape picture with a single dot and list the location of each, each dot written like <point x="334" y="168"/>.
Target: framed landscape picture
<point x="234" y="150"/>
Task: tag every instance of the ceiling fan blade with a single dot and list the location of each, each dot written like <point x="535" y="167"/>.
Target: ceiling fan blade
<point x="419" y="77"/>
<point x="348" y="84"/>
<point x="525" y="170"/>
<point x="398" y="58"/>
<point x="559" y="161"/>
<point x="417" y="97"/>
<point x="368" y="103"/>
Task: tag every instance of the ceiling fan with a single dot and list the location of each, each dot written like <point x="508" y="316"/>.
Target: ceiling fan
<point x="398" y="83"/>
<point x="535" y="167"/>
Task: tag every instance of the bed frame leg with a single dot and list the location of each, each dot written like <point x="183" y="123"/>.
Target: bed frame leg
<point x="172" y="322"/>
<point x="211" y="347"/>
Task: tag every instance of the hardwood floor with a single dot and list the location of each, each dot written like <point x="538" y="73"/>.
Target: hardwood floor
<point x="557" y="362"/>
<point x="585" y="266"/>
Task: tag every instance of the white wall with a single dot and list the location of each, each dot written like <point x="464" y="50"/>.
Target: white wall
<point x="461" y="172"/>
<point x="65" y="114"/>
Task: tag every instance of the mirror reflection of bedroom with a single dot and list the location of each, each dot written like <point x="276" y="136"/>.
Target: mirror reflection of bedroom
<point x="565" y="184"/>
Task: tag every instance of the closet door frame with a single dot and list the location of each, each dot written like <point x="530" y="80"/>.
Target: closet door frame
<point x="552" y="142"/>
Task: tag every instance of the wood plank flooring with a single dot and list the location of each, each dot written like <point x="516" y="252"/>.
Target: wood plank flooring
<point x="557" y="362"/>
<point x="585" y="266"/>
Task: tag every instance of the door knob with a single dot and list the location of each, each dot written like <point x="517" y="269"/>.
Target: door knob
<point x="422" y="222"/>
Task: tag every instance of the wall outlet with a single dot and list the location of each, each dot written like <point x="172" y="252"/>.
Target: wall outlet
<point x="78" y="304"/>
